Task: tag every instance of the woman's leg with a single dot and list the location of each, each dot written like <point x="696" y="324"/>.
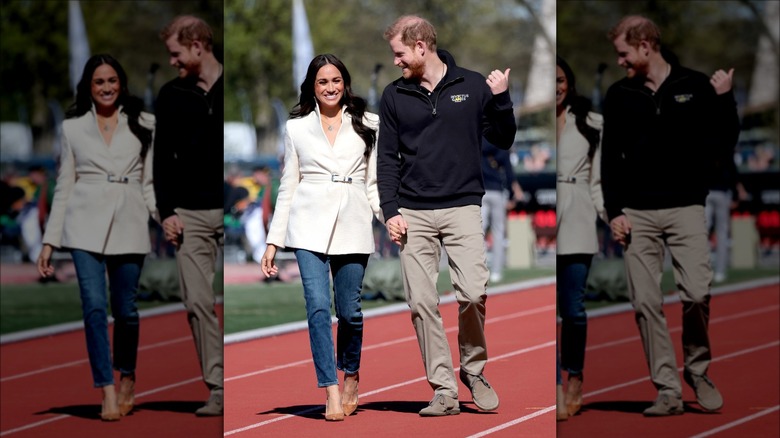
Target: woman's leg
<point x="91" y="275"/>
<point x="315" y="276"/>
<point x="348" y="272"/>
<point x="572" y="273"/>
<point x="124" y="272"/>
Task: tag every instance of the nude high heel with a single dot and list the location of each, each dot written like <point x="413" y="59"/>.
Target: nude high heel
<point x="332" y="416"/>
<point x="126" y="398"/>
<point x="349" y="408"/>
<point x="110" y="409"/>
<point x="561" y="414"/>
<point x="574" y="394"/>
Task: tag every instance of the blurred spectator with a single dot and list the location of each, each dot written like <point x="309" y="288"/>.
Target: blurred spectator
<point x="762" y="158"/>
<point x="38" y="193"/>
<point x="537" y="160"/>
<point x="255" y="219"/>
<point x="501" y="192"/>
<point x="722" y="198"/>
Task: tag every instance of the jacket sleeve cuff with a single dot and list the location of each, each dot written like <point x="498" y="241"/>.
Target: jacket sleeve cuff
<point x="390" y="210"/>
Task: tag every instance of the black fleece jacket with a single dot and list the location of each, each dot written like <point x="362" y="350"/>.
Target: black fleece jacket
<point x="189" y="147"/>
<point x="428" y="154"/>
<point x="659" y="149"/>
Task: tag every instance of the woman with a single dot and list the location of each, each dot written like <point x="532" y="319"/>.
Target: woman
<point x="324" y="212"/>
<point x="100" y="213"/>
<point x="579" y="200"/>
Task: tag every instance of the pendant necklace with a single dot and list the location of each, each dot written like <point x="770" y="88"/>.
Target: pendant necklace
<point x="330" y="127"/>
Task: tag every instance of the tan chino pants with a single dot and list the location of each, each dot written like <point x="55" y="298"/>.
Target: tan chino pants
<point x="196" y="258"/>
<point x="684" y="233"/>
<point x="459" y="230"/>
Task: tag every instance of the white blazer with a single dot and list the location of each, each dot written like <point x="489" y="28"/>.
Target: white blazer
<point x="315" y="210"/>
<point x="579" y="189"/>
<point x="104" y="193"/>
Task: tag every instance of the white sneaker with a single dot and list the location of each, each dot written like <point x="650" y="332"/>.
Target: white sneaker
<point x="719" y="277"/>
<point x="496" y="277"/>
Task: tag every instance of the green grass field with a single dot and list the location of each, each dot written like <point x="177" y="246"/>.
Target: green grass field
<point x="28" y="306"/>
<point x="262" y="305"/>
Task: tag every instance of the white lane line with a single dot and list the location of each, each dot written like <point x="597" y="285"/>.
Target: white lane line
<point x="634" y="382"/>
<point x="249" y="335"/>
<point x="679" y="328"/>
<point x="83" y="361"/>
<point x="393" y="342"/>
<point x="512" y="423"/>
<point x="737" y="422"/>
<point x="384" y="389"/>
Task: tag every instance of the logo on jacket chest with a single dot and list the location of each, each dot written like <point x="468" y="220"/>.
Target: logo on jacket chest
<point x="458" y="98"/>
<point x="682" y="98"/>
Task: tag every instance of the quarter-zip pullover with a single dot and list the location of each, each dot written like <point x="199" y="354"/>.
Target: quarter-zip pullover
<point x="659" y="148"/>
<point x="189" y="146"/>
<point x="429" y="143"/>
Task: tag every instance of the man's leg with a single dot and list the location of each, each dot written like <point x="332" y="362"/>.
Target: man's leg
<point x="420" y="255"/>
<point x="196" y="259"/>
<point x="690" y="251"/>
<point x="644" y="266"/>
<point x="463" y="240"/>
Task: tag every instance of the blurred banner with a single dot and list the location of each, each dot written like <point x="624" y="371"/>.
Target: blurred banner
<point x="303" y="48"/>
<point x="77" y="43"/>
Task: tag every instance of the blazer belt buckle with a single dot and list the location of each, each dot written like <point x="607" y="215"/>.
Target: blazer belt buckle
<point x="118" y="179"/>
<point x="340" y="179"/>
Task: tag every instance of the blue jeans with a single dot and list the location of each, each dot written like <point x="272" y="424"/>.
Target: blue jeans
<point x="572" y="276"/>
<point x="124" y="271"/>
<point x="347" y="273"/>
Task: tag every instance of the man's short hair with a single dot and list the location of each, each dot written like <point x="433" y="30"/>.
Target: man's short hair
<point x="637" y="28"/>
<point x="412" y="29"/>
<point x="188" y="29"/>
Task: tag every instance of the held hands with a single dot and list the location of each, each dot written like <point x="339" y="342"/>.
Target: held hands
<point x="45" y="268"/>
<point x="397" y="228"/>
<point x="621" y="229"/>
<point x="267" y="264"/>
<point x="497" y="81"/>
<point x="722" y="81"/>
<point x="173" y="228"/>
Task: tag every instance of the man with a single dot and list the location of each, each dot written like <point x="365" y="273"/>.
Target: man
<point x="432" y="121"/>
<point x="663" y="125"/>
<point x="188" y="175"/>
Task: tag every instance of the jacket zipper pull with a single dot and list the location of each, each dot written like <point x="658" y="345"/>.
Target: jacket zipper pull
<point x="434" y="111"/>
<point x="658" y="111"/>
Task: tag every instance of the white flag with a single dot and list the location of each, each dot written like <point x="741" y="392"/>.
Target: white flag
<point x="77" y="43"/>
<point x="303" y="48"/>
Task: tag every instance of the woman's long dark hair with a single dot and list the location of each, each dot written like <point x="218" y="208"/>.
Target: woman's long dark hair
<point x="580" y="107"/>
<point x="131" y="105"/>
<point x="355" y="105"/>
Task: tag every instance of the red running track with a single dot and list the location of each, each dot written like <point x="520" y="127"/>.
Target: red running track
<point x="745" y="340"/>
<point x="47" y="387"/>
<point x="271" y="389"/>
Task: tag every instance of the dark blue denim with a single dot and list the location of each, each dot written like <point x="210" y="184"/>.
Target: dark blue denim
<point x="347" y="270"/>
<point x="124" y="272"/>
<point x="571" y="278"/>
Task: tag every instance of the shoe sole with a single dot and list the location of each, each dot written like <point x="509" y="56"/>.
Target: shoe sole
<point x="710" y="408"/>
<point x="443" y="414"/>
<point x="666" y="414"/>
<point x="485" y="408"/>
